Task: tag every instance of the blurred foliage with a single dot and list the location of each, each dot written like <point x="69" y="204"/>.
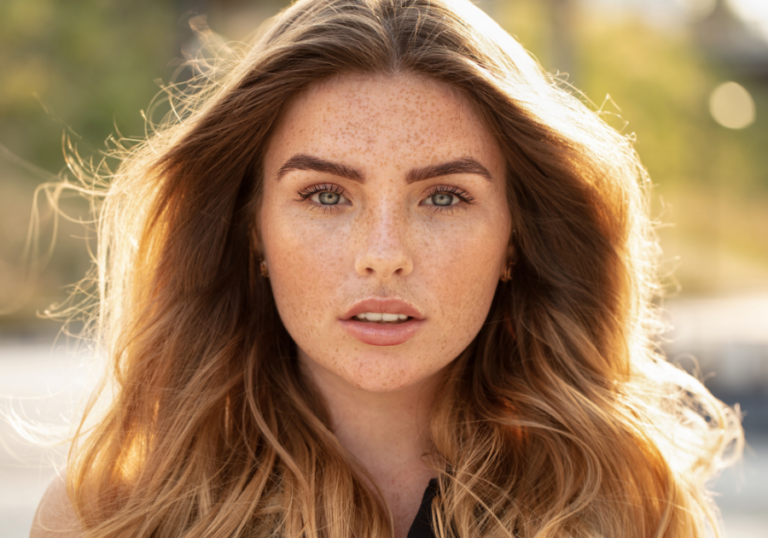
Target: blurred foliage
<point x="654" y="83"/>
<point x="88" y="63"/>
<point x="84" y="68"/>
<point x="89" y="67"/>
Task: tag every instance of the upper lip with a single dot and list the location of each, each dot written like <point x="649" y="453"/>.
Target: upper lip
<point x="383" y="305"/>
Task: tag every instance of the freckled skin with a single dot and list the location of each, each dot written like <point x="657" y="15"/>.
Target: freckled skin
<point x="382" y="239"/>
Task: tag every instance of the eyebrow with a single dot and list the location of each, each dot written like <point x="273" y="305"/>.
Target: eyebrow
<point x="309" y="162"/>
<point x="461" y="166"/>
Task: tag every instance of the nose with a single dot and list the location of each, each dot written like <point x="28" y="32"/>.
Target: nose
<point x="383" y="250"/>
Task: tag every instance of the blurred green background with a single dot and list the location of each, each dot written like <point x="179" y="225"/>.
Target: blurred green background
<point x="88" y="67"/>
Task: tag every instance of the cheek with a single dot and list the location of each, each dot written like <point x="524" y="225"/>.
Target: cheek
<point x="305" y="260"/>
<point x="462" y="272"/>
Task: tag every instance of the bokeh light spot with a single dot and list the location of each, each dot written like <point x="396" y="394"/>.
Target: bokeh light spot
<point x="753" y="12"/>
<point x="732" y="106"/>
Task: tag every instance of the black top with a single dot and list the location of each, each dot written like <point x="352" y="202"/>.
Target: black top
<point x="422" y="526"/>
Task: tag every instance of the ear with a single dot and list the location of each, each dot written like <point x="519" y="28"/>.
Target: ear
<point x="512" y="249"/>
<point x="255" y="240"/>
<point x="511" y="253"/>
<point x="509" y="260"/>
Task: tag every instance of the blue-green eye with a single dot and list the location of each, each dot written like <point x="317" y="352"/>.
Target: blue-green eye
<point x="443" y="199"/>
<point x="328" y="198"/>
<point x="325" y="195"/>
<point x="445" y="196"/>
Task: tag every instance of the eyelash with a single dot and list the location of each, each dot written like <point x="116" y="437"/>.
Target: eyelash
<point x="462" y="195"/>
<point x="307" y="193"/>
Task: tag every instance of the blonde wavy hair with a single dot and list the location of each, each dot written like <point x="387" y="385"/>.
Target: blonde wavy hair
<point x="562" y="418"/>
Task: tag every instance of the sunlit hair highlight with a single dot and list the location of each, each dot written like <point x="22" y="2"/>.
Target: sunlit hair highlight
<point x="560" y="419"/>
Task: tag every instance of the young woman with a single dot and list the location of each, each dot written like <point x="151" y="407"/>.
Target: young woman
<point x="385" y="278"/>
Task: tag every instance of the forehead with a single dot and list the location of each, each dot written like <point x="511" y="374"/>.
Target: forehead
<point x="384" y="119"/>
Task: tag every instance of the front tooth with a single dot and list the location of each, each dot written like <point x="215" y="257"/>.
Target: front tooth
<point x="389" y="317"/>
<point x="373" y="316"/>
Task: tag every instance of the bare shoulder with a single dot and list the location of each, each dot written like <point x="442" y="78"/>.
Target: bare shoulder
<point x="55" y="517"/>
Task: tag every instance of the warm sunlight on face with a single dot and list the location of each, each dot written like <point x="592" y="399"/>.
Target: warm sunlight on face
<point x="385" y="228"/>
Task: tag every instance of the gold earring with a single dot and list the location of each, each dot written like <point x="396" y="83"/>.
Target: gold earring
<point x="264" y="270"/>
<point x="507" y="276"/>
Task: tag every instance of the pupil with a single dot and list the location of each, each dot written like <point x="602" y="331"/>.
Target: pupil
<point x="443" y="199"/>
<point x="329" y="198"/>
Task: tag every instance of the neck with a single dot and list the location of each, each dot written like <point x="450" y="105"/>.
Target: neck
<point x="386" y="432"/>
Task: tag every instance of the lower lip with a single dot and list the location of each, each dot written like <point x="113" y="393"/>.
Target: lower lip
<point x="382" y="334"/>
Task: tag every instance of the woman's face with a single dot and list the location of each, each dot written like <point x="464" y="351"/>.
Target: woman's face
<point x="383" y="199"/>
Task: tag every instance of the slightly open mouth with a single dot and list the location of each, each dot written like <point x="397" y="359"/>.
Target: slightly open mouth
<point x="383" y="319"/>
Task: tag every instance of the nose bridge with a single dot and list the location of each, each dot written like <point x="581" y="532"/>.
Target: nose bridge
<point x="383" y="245"/>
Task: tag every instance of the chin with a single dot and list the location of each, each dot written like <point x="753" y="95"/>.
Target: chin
<point x="389" y="373"/>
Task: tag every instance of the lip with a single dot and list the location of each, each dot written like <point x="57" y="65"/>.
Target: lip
<point x="382" y="334"/>
<point x="385" y="306"/>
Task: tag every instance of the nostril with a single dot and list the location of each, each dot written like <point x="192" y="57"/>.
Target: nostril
<point x="383" y="262"/>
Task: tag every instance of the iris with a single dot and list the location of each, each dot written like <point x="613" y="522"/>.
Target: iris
<point x="329" y="198"/>
<point x="442" y="198"/>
